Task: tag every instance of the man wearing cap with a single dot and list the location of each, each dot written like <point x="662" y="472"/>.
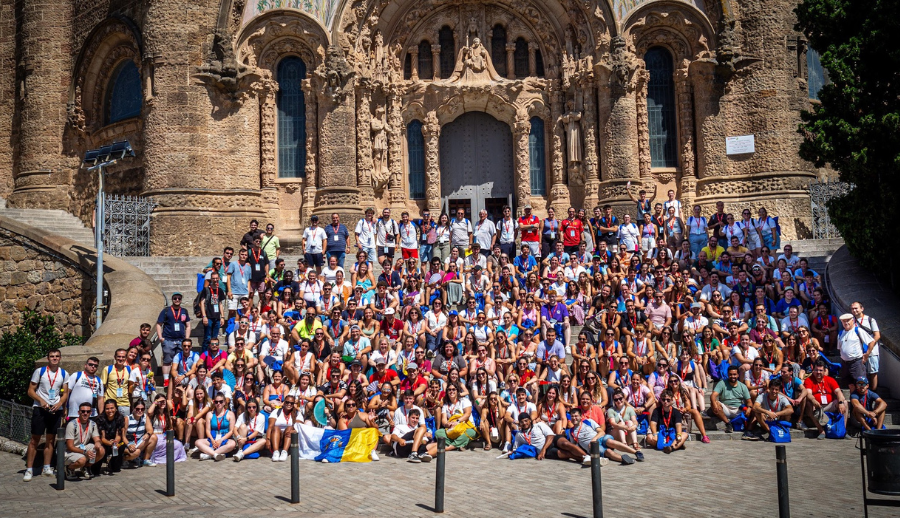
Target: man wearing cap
<point x="530" y="227"/>
<point x="313" y="243"/>
<point x="357" y="346"/>
<point x="414" y="382"/>
<point x="391" y="326"/>
<point x="854" y="344"/>
<point x="384" y="375"/>
<point x="694" y="320"/>
<point x="789" y="300"/>
<point x="173" y="325"/>
<point x="507" y="228"/>
<point x="867" y="407"/>
<point x="477" y="284"/>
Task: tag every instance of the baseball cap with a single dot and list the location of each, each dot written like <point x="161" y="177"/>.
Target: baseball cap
<point x="697" y="305"/>
<point x="847" y="316"/>
<point x="389" y="311"/>
<point x="177" y="294"/>
<point x="862" y="380"/>
<point x="528" y="207"/>
<point x="453" y="312"/>
<point x="356" y="363"/>
<point x="380" y="361"/>
<point x="411" y="366"/>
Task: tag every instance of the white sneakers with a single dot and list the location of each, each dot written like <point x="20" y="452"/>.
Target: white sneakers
<point x="374" y="456"/>
<point x="219" y="456"/>
<point x="239" y="456"/>
<point x="204" y="456"/>
<point x="28" y="475"/>
<point x="149" y="464"/>
<point x="586" y="460"/>
<point x="279" y="456"/>
<point x="47" y="472"/>
<point x="192" y="451"/>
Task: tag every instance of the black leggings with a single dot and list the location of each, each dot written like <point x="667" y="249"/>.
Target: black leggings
<point x="115" y="462"/>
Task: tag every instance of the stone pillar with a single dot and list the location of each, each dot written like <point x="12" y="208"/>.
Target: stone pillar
<point x="559" y="190"/>
<point x="398" y="195"/>
<point x="522" y="159"/>
<point x="338" y="189"/>
<point x="311" y="182"/>
<point x="268" y="151"/>
<point x="685" y="104"/>
<point x="42" y="174"/>
<point x="532" y="61"/>
<point x="589" y="130"/>
<point x="414" y="63"/>
<point x="710" y="154"/>
<point x="510" y="61"/>
<point x="431" y="131"/>
<point x="436" y="62"/>
<point x="364" y="163"/>
<point x="619" y="134"/>
<point x="643" y="124"/>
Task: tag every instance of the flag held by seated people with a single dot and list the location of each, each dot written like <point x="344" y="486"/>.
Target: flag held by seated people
<point x="352" y="445"/>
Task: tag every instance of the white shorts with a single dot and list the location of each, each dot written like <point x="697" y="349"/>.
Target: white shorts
<point x="647" y="244"/>
<point x="753" y="241"/>
<point x="535" y="247"/>
<point x="872" y="364"/>
<point x="730" y="411"/>
<point x="233" y="302"/>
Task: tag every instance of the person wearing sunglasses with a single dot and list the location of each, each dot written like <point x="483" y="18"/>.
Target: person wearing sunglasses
<point x="140" y="383"/>
<point x="83" y="446"/>
<point x="219" y="432"/>
<point x="665" y="419"/>
<point x="173" y="325"/>
<point x="85" y="387"/>
<point x="140" y="437"/>
<point x="251" y="429"/>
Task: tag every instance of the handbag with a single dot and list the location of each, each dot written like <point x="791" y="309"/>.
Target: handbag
<point x="836" y="427"/>
<point x="665" y="437"/>
<point x="779" y="431"/>
<point x="459" y="428"/>
<point x="643" y="424"/>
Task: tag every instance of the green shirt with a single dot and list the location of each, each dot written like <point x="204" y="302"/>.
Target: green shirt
<point x="730" y="396"/>
<point x="269" y="245"/>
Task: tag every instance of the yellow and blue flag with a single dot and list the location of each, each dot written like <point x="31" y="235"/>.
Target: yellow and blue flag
<point x="352" y="445"/>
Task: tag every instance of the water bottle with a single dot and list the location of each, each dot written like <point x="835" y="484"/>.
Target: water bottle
<point x="115" y="450"/>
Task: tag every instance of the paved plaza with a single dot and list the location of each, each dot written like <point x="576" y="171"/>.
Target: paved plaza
<point x="699" y="482"/>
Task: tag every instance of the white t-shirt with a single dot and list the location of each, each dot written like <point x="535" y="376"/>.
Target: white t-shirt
<point x="330" y="275"/>
<point x="735" y="230"/>
<point x="751" y="354"/>
<point x="49" y="385"/>
<point x="365" y="232"/>
<point x="386" y="232"/>
<point x="763" y="376"/>
<point x="408" y="237"/>
<point x="585" y="433"/>
<point x="314" y="238"/>
<point x="458" y="408"/>
<point x="793" y="260"/>
<point x="629" y="234"/>
<point x="484" y="233"/>
<point x="140" y="380"/>
<point x="870" y="324"/>
<point x="672" y="203"/>
<point x="536" y="437"/>
<point x="435" y="321"/>
<point x="258" y="423"/>
<point x="401" y="420"/>
<point x="514" y="410"/>
<point x="850" y="345"/>
<point x="507" y="230"/>
<point x="83" y="389"/>
<point x="697" y="226"/>
<point x="311" y="290"/>
<point x="278" y="351"/>
<point x="793" y="326"/>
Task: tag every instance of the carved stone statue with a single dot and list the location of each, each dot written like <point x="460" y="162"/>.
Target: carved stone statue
<point x="473" y="65"/>
<point x="379" y="130"/>
<point x="572" y="123"/>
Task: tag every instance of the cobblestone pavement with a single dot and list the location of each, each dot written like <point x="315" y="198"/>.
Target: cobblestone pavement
<point x="824" y="479"/>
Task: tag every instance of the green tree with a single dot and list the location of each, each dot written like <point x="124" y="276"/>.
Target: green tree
<point x="19" y="349"/>
<point x="856" y="128"/>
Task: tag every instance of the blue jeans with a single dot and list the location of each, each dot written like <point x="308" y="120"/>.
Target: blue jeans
<point x="210" y="331"/>
<point x="698" y="241"/>
<point x="339" y="254"/>
<point x="425" y="253"/>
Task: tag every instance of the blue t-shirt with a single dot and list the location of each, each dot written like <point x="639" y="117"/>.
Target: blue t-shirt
<point x="782" y="306"/>
<point x="523" y="265"/>
<point x="240" y="277"/>
<point x="867" y="400"/>
<point x="792" y="389"/>
<point x="174" y="322"/>
<point x="339" y="245"/>
<point x="185" y="364"/>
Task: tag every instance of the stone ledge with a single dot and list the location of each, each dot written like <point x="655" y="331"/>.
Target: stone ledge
<point x="134" y="297"/>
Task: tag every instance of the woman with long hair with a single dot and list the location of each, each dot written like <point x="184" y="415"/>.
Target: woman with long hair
<point x="664" y="345"/>
<point x="274" y="393"/>
<point x="583" y="350"/>
<point x="551" y="411"/>
<point x="111" y="427"/>
<point x="198" y="407"/>
<point x="691" y="375"/>
<point x="493" y="422"/>
<point x="454" y="331"/>
<point x="251" y="429"/>
<point x="683" y="403"/>
<point x="363" y="278"/>
<point x="162" y="419"/>
<point x="441" y="249"/>
<point x="281" y="427"/>
<point x="454" y="411"/>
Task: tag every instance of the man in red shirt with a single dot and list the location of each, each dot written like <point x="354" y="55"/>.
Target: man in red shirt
<point x="384" y="375"/>
<point x="414" y="382"/>
<point x="529" y="226"/>
<point x="390" y="326"/>
<point x="825" y="396"/>
<point x="572" y="229"/>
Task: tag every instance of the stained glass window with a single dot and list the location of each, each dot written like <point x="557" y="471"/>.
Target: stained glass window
<point x="661" y="108"/>
<point x="415" y="142"/>
<point x="124" y="97"/>
<point x="536" y="157"/>
<point x="291" y="118"/>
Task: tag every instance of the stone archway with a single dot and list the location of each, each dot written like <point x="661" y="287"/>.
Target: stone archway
<point x="476" y="161"/>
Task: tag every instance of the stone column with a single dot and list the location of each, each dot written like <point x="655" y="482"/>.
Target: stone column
<point x="268" y="151"/>
<point x="589" y="130"/>
<point x="338" y="189"/>
<point x="532" y="61"/>
<point x="710" y="155"/>
<point x="510" y="61"/>
<point x="436" y="62"/>
<point x="521" y="131"/>
<point x="398" y="195"/>
<point x="311" y="182"/>
<point x="643" y="122"/>
<point x="684" y="101"/>
<point x="42" y="174"/>
<point x="364" y="163"/>
<point x="619" y="132"/>
<point x="431" y="131"/>
<point x="414" y="63"/>
<point x="559" y="190"/>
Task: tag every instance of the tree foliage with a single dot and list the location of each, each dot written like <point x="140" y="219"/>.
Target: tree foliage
<point x="27" y="344"/>
<point x="856" y="128"/>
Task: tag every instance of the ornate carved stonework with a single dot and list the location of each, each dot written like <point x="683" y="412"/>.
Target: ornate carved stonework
<point x="223" y="74"/>
<point x="336" y="74"/>
<point x="431" y="130"/>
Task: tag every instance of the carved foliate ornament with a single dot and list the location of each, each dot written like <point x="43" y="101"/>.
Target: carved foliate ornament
<point x="223" y="74"/>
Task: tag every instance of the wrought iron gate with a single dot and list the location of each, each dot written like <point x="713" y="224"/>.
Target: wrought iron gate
<point x="819" y="194"/>
<point x="126" y="225"/>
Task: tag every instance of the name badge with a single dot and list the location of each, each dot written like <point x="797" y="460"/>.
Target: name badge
<point x="386" y="250"/>
<point x="337" y="237"/>
<point x="215" y="308"/>
<point x="552" y="235"/>
<point x="824" y="399"/>
<point x="177" y="326"/>
<point x="772" y="366"/>
<point x="53" y="393"/>
<point x="572" y="233"/>
<point x="256" y="266"/>
<point x="119" y="392"/>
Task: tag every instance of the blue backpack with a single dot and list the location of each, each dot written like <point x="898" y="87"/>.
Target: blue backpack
<point x="779" y="431"/>
<point x="738" y="421"/>
<point x="665" y="437"/>
<point x="836" y="427"/>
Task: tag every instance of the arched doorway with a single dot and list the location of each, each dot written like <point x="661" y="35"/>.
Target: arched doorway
<point x="477" y="165"/>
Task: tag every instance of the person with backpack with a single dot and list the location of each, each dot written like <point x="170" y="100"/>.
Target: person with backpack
<point x="854" y="345"/>
<point x="460" y="232"/>
<point x="869" y="325"/>
<point x="386" y="233"/>
<point x="173" y="325"/>
<point x="85" y="387"/>
<point x="47" y="389"/>
<point x="771" y="405"/>
<point x="212" y="305"/>
<point x="825" y="396"/>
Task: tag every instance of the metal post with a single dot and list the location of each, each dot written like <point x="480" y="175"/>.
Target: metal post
<point x="784" y="504"/>
<point x="61" y="459"/>
<point x="596" y="489"/>
<point x="98" y="225"/>
<point x="170" y="463"/>
<point x="862" y="465"/>
<point x="295" y="469"/>
<point x="439" y="483"/>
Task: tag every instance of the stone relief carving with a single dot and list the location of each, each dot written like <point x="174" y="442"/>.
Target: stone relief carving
<point x="572" y="122"/>
<point x="337" y="74"/>
<point x="473" y="66"/>
<point x="223" y="74"/>
<point x="378" y="131"/>
<point x="431" y="131"/>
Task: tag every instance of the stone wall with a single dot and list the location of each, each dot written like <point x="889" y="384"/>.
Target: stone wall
<point x="35" y="278"/>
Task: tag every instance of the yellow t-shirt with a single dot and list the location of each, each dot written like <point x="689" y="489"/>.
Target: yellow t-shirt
<point x="116" y="383"/>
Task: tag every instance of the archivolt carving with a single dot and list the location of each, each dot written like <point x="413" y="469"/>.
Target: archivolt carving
<point x="673" y="23"/>
<point x="271" y="35"/>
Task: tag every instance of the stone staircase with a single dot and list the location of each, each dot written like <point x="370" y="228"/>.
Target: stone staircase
<point x="817" y="251"/>
<point x="52" y="220"/>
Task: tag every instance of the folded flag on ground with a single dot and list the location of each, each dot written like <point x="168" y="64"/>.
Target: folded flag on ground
<point x="352" y="445"/>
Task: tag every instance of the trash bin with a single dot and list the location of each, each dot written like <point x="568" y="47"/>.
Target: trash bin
<point x="883" y="461"/>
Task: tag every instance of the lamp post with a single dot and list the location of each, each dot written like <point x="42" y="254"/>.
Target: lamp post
<point x="98" y="159"/>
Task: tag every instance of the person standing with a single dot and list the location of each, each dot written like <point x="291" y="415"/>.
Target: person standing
<point x="608" y="228"/>
<point x="212" y="309"/>
<point x="427" y="236"/>
<point x="386" y="232"/>
<point x="697" y="231"/>
<point x="271" y="245"/>
<point x="46" y="389"/>
<point x="174" y="325"/>
<point x="643" y="204"/>
<point x="530" y="227"/>
<point x="115" y="380"/>
<point x="252" y="234"/>
<point x="365" y="234"/>
<point x="672" y="202"/>
<point x="313" y="244"/>
<point x="717" y="224"/>
<point x="259" y="269"/>
<point x="507" y="228"/>
<point x="855" y="345"/>
<point x="572" y="228"/>
<point x="485" y="232"/>
<point x="338" y="237"/>
<point x="237" y="280"/>
<point x="460" y="232"/>
<point x="869" y="325"/>
<point x="409" y="238"/>
<point x="85" y="387"/>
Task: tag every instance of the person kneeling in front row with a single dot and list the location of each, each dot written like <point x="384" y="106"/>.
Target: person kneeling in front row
<point x="83" y="446"/>
<point x="664" y="420"/>
<point x="411" y="439"/>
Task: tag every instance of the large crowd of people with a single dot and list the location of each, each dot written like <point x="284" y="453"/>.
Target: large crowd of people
<point x="527" y="334"/>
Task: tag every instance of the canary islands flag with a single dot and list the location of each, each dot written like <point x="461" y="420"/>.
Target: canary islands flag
<point x="352" y="445"/>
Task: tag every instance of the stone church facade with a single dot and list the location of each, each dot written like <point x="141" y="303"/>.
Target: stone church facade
<point x="278" y="109"/>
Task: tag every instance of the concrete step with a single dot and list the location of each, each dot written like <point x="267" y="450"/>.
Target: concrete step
<point x="56" y="221"/>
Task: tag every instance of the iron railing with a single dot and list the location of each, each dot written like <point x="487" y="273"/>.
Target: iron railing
<point x="126" y="225"/>
<point x="15" y="421"/>
<point x="819" y="194"/>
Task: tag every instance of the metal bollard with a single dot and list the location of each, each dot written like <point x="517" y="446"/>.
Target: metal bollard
<point x="784" y="504"/>
<point x="596" y="489"/>
<point x="170" y="463"/>
<point x="439" y="483"/>
<point x="295" y="469"/>
<point x="61" y="459"/>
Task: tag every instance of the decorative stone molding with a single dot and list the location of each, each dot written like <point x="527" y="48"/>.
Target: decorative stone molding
<point x="223" y="75"/>
<point x="431" y="131"/>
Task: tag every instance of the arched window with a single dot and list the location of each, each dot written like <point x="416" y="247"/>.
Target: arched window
<point x="538" y="63"/>
<point x="816" y="73"/>
<point x="448" y="51"/>
<point x="536" y="157"/>
<point x="661" y="108"/>
<point x="291" y="118"/>
<point x="407" y="67"/>
<point x="124" y="97"/>
<point x="426" y="63"/>
<point x="520" y="58"/>
<point x="415" y="144"/>
<point x="498" y="49"/>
